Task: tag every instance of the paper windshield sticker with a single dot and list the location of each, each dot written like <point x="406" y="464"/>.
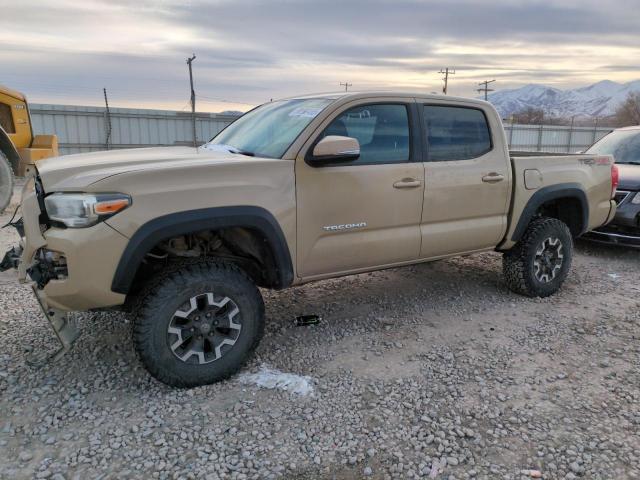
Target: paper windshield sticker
<point x="305" y="112"/>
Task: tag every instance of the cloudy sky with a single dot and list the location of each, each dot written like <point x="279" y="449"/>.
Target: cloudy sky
<point x="248" y="51"/>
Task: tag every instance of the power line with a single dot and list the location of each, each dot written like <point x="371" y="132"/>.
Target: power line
<point x="346" y="86"/>
<point x="221" y="100"/>
<point x="446" y="72"/>
<point x="486" y="88"/>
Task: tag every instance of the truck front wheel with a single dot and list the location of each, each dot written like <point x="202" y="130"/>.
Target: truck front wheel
<point x="199" y="324"/>
<point x="539" y="263"/>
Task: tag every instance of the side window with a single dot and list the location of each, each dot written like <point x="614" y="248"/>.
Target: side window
<point x="455" y="133"/>
<point x="6" y="119"/>
<point x="382" y="131"/>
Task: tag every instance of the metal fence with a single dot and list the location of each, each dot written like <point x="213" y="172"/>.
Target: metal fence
<point x="553" y="138"/>
<point x="84" y="129"/>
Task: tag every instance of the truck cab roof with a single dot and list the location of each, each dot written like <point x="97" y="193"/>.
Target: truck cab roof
<point x="347" y="96"/>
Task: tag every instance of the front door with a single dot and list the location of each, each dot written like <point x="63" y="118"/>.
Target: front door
<point x="365" y="213"/>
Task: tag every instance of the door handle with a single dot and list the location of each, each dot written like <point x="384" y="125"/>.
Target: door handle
<point x="407" y="183"/>
<point x="493" y="177"/>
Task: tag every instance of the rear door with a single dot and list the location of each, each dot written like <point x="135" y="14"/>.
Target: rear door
<point x="467" y="180"/>
<point x="365" y="213"/>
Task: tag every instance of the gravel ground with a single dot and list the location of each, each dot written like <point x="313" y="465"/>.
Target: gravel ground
<point x="432" y="371"/>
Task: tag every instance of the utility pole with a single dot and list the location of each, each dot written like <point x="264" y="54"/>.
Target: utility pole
<point x="193" y="99"/>
<point x="107" y="122"/>
<point x="346" y="86"/>
<point x="446" y="72"/>
<point x="486" y="88"/>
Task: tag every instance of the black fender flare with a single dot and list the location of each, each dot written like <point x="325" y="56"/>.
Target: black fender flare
<point x="546" y="194"/>
<point x="8" y="148"/>
<point x="191" y="221"/>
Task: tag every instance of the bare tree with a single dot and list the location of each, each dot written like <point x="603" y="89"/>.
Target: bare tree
<point x="529" y="116"/>
<point x="628" y="113"/>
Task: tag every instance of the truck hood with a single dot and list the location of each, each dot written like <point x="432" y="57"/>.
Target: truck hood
<point x="73" y="172"/>
<point x="629" y="177"/>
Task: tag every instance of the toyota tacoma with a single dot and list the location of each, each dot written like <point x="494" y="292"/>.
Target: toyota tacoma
<point x="294" y="191"/>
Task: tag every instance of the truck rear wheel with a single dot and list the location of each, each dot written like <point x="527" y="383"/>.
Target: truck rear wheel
<point x="6" y="182"/>
<point x="199" y="324"/>
<point x="539" y="263"/>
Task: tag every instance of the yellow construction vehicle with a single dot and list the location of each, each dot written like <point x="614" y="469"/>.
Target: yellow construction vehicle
<point x="19" y="148"/>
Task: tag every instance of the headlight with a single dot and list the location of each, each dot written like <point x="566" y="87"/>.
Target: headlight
<point x="78" y="210"/>
<point x="636" y="199"/>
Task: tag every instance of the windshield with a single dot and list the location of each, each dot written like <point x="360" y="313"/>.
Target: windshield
<point x="624" y="145"/>
<point x="270" y="129"/>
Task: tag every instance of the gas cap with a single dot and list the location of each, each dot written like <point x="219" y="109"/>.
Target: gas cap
<point x="532" y="179"/>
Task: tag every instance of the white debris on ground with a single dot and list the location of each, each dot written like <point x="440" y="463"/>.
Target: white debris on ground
<point x="271" y="378"/>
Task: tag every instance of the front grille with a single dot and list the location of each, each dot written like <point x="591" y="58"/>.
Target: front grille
<point x="621" y="196"/>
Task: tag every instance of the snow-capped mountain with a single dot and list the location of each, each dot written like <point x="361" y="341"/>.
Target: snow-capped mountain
<point x="598" y="100"/>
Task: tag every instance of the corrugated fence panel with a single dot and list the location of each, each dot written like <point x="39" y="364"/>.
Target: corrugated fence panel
<point x="83" y="129"/>
<point x="552" y="138"/>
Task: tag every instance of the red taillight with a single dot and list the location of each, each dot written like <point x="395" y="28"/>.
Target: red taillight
<point x="615" y="179"/>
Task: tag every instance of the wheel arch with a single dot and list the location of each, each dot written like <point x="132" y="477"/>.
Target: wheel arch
<point x="566" y="201"/>
<point x="192" y="221"/>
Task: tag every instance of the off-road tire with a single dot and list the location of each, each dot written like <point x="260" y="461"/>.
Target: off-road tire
<point x="158" y="309"/>
<point x="518" y="264"/>
<point x="6" y="182"/>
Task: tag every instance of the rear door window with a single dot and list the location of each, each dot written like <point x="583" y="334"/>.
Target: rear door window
<point x="455" y="133"/>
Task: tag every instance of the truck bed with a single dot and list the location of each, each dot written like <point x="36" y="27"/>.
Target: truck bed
<point x="535" y="173"/>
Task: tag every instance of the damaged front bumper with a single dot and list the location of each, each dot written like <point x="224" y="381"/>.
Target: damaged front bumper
<point x="67" y="269"/>
<point x="65" y="330"/>
<point x="37" y="266"/>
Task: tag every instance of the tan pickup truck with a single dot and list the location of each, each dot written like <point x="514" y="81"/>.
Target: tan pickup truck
<point x="294" y="191"/>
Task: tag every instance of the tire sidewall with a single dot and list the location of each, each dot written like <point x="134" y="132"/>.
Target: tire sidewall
<point x="550" y="229"/>
<point x="6" y="182"/>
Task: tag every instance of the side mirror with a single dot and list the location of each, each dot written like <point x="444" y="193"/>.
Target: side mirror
<point x="334" y="148"/>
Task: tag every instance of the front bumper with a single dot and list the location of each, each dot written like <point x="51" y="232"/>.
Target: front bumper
<point x="90" y="259"/>
<point x="624" y="229"/>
